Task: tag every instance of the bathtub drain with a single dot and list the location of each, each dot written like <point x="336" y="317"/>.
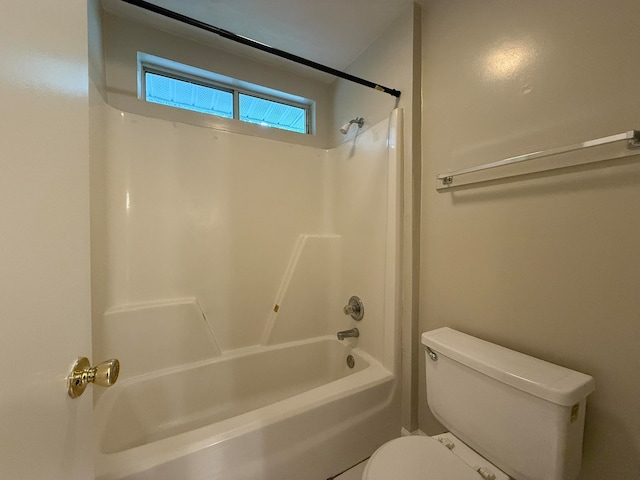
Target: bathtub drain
<point x="351" y="361"/>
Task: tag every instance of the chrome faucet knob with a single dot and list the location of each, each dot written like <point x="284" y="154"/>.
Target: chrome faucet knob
<point x="355" y="308"/>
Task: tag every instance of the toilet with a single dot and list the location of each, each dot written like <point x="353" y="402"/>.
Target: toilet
<point x="509" y="416"/>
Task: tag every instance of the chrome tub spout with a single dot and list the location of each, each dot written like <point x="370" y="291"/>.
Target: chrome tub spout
<point x="354" y="333"/>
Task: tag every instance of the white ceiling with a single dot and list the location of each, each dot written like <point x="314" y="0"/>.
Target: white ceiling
<point x="331" y="32"/>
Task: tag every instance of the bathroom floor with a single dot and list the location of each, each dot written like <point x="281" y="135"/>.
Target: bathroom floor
<point x="354" y="473"/>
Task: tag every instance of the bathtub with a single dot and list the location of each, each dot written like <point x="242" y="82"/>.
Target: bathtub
<point x="289" y="411"/>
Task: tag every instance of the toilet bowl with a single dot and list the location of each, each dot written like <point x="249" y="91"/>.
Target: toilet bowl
<point x="442" y="457"/>
<point x="487" y="396"/>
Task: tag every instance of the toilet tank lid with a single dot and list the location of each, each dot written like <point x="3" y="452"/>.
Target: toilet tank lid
<point x="546" y="380"/>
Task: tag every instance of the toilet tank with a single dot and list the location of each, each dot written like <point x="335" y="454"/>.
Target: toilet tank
<point x="523" y="414"/>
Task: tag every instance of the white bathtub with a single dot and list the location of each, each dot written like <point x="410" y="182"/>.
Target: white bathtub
<point x="292" y="411"/>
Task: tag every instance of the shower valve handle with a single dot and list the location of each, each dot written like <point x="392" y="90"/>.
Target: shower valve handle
<point x="355" y="308"/>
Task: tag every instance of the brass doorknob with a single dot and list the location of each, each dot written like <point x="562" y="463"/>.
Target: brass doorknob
<point x="104" y="374"/>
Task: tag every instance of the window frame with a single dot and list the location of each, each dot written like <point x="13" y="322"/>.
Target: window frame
<point x="207" y="79"/>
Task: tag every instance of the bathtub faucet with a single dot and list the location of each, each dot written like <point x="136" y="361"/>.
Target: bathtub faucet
<point x="348" y="333"/>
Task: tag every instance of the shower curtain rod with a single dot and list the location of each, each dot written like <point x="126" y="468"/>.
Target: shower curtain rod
<point x="260" y="46"/>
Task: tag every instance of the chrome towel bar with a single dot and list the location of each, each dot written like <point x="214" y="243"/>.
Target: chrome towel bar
<point x="445" y="180"/>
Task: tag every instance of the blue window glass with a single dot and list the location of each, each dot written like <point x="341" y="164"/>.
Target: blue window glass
<point x="272" y="114"/>
<point x="187" y="95"/>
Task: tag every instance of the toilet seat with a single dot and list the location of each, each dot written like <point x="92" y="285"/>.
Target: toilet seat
<point x="416" y="458"/>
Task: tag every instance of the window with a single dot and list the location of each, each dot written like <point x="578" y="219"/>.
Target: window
<point x="274" y="114"/>
<point x="169" y="83"/>
<point x="188" y="95"/>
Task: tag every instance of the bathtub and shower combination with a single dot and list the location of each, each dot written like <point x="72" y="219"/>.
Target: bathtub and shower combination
<point x="307" y="408"/>
<point x="276" y="412"/>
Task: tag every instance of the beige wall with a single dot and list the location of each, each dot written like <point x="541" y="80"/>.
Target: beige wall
<point x="97" y="74"/>
<point x="546" y="264"/>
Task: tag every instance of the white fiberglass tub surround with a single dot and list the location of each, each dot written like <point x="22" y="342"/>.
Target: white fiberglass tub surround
<point x="191" y="397"/>
<point x="251" y="414"/>
<point x="236" y="372"/>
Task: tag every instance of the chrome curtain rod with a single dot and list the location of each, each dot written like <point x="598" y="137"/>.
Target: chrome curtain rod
<point x="633" y="143"/>
<point x="260" y="46"/>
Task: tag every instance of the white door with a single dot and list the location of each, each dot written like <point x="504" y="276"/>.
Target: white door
<point x="44" y="239"/>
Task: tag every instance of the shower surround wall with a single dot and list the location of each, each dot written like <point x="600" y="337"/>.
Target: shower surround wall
<point x="394" y="59"/>
<point x="221" y="247"/>
<point x="207" y="231"/>
<point x="206" y="214"/>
